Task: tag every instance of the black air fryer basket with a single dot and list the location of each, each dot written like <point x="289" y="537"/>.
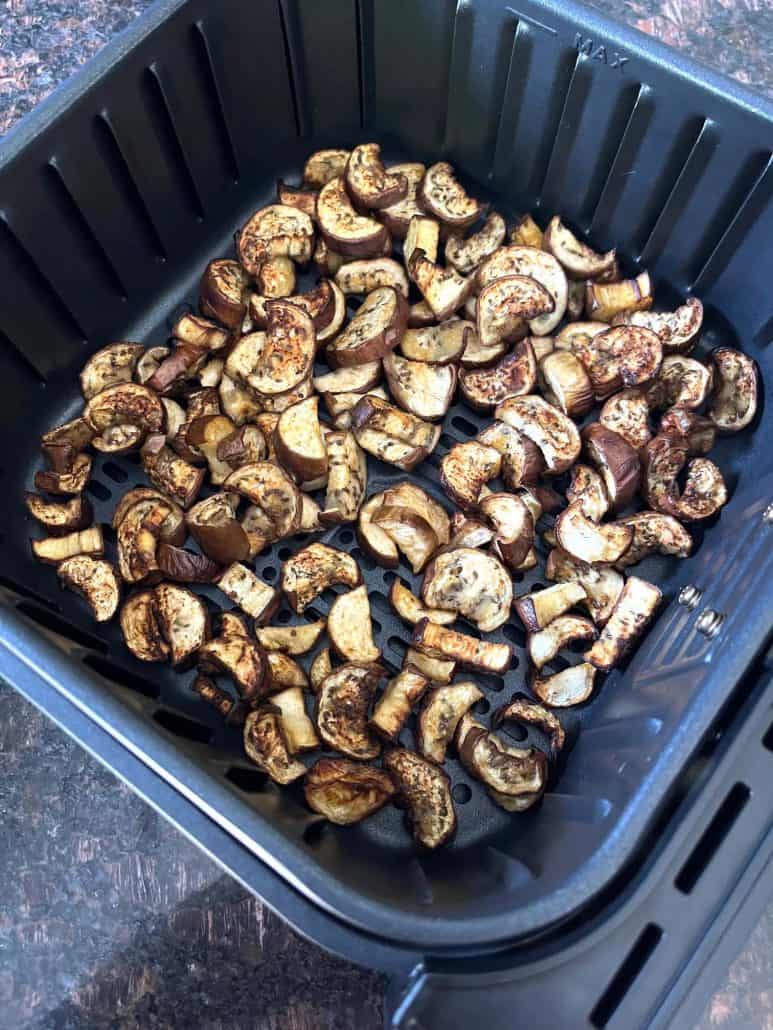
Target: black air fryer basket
<point x="115" y="194"/>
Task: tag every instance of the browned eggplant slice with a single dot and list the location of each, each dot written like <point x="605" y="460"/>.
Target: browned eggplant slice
<point x="322" y="166"/>
<point x="376" y="328"/>
<point x="234" y="712"/>
<point x="442" y="642"/>
<point x="183" y="566"/>
<point x="472" y="583"/>
<point x="368" y="182"/>
<point x="605" y="300"/>
<point x="394" y="706"/>
<point x="265" y="744"/>
<point x="292" y="640"/>
<point x="511" y="774"/>
<point x="273" y="493"/>
<point x="567" y="381"/>
<point x="344" y="230"/>
<point x="602" y="584"/>
<point x="543" y="645"/>
<point x="627" y="413"/>
<point x="572" y="686"/>
<point x="578" y="260"/>
<point x="635" y="608"/>
<point x="536" y="264"/>
<point x="424" y="390"/>
<point x="523" y="710"/>
<point x="110" y="366"/>
<point x="587" y="487"/>
<point x="698" y="432"/>
<point x="424" y="790"/>
<point x="522" y="461"/>
<point x="285" y="673"/>
<point x="443" y="288"/>
<point x="275" y="231"/>
<point x="655" y="533"/>
<point x="550" y="429"/>
<point x="514" y="376"/>
<point x="250" y="593"/>
<point x="409" y="530"/>
<point x="681" y="382"/>
<point x="343" y="701"/>
<point x="704" y="491"/>
<point x="443" y="708"/>
<point x="183" y="619"/>
<point x="733" y="402"/>
<point x="397" y="216"/>
<point x="591" y="542"/>
<point x="243" y="659"/>
<point x="505" y="304"/>
<point x="298" y="728"/>
<point x="141" y="628"/>
<point x="539" y="608"/>
<point x="411" y="610"/>
<point x="466" y="469"/>
<point x="60" y="517"/>
<point x="346" y="792"/>
<point x="436" y="670"/>
<point x="526" y="233"/>
<point x="617" y="462"/>
<point x="423" y="235"/>
<point x="313" y="570"/>
<point x="347" y="478"/>
<point x="440" y="344"/>
<point x="368" y="274"/>
<point x="171" y="474"/>
<point x="375" y="541"/>
<point x="392" y="435"/>
<point x="677" y="329"/>
<point x="72" y="479"/>
<point x="513" y="523"/>
<point x="299" y="443"/>
<point x="466" y="254"/>
<point x="443" y="196"/>
<point x="350" y="379"/>
<point x="319" y="669"/>
<point x="216" y="529"/>
<point x="350" y="628"/>
<point x="95" y="580"/>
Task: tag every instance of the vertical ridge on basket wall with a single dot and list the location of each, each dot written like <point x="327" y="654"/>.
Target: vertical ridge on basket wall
<point x="253" y="81"/>
<point x="407" y="55"/>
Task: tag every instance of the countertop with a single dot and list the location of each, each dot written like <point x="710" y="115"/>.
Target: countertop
<point x="109" y="918"/>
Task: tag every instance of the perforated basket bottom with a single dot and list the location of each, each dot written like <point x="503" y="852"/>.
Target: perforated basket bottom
<point x="493" y="853"/>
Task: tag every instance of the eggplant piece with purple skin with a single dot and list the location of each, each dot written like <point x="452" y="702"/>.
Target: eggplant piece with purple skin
<point x="424" y="791"/>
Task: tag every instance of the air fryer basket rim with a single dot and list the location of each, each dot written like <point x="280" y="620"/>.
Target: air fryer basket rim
<point x="86" y="692"/>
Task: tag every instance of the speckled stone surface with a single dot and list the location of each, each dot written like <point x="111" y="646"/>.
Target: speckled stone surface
<point x="108" y="917"/>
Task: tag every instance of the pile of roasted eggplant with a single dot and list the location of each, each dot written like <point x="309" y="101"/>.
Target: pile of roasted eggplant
<point x="422" y="292"/>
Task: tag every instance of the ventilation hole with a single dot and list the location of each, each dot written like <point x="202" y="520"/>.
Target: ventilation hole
<point x="515" y="731"/>
<point x="389" y="577"/>
<point x="376" y="625"/>
<point x="284" y="617"/>
<point x="284" y="553"/>
<point x="767" y="740"/>
<point x="99" y="490"/>
<point x="22" y="591"/>
<point x="637" y="958"/>
<point x="110" y="671"/>
<point x="48" y="620"/>
<point x="379" y="602"/>
<point x="363" y="560"/>
<point x="312" y="614"/>
<point x="446" y="441"/>
<point x="182" y="727"/>
<point x="266" y="552"/>
<point x="495" y="683"/>
<point x="114" y="472"/>
<point x="515" y="635"/>
<point x="515" y="661"/>
<point x="269" y="574"/>
<point x="463" y="425"/>
<point x="251" y="781"/>
<point x="482" y="707"/>
<point x="314" y="832"/>
<point x="346" y="537"/>
<point x="712" y="838"/>
<point x="461" y="793"/>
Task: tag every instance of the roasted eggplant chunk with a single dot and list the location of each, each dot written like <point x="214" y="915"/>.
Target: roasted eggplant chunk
<point x="393" y="708"/>
<point x="265" y="744"/>
<point x="96" y="580"/>
<point x="313" y="570"/>
<point x="634" y="609"/>
<point x="442" y="642"/>
<point x="343" y="703"/>
<point x="440" y="714"/>
<point x="424" y="790"/>
<point x="346" y="792"/>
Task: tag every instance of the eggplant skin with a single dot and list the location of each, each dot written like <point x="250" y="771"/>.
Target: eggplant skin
<point x="424" y="790"/>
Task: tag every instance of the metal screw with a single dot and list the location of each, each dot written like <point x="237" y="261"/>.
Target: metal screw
<point x="709" y="622"/>
<point x="767" y="515"/>
<point x="689" y="596"/>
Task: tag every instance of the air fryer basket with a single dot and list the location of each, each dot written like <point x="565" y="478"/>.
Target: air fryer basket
<point x="112" y="200"/>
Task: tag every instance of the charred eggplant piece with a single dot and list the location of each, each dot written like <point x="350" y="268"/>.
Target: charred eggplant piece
<point x="343" y="701"/>
<point x="442" y="642"/>
<point x="95" y="580"/>
<point x="216" y="529"/>
<point x="172" y="475"/>
<point x="392" y="435"/>
<point x="441" y="344"/>
<point x="223" y="292"/>
<point x="243" y="659"/>
<point x="589" y="541"/>
<point x="368" y="182"/>
<point x="442" y="288"/>
<point x="394" y="706"/>
<point x="578" y="260"/>
<point x="587" y="487"/>
<point x="633" y="611"/>
<point x="265" y="744"/>
<point x="505" y="304"/>
<point x="567" y="381"/>
<point x="60" y="517"/>
<point x="627" y="414"/>
<point x="572" y="686"/>
<point x="346" y="792"/>
<point x="344" y="230"/>
<point x="466" y="469"/>
<point x="697" y="432"/>
<point x="543" y="645"/>
<point x="733" y="402"/>
<point x="617" y="462"/>
<point x="291" y="640"/>
<point x="472" y="583"/>
<point x="677" y="330"/>
<point x="605" y="300"/>
<point x="602" y="584"/>
<point x="374" y="540"/>
<point x="275" y="231"/>
<point x="320" y="669"/>
<point x="440" y="715"/>
<point x="522" y="461"/>
<point x="250" y="593"/>
<point x="442" y="195"/>
<point x="183" y="620"/>
<point x="538" y="609"/>
<point x="375" y="329"/>
<point x="550" y="429"/>
<point x="510" y="774"/>
<point x="655" y="533"/>
<point x="275" y="500"/>
<point x="522" y="710"/>
<point x="350" y="628"/>
<point x="424" y="790"/>
<point x="322" y="166"/>
<point x="536" y="264"/>
<point x="422" y="389"/>
<point x="466" y="254"/>
<point x="513" y="376"/>
<point x="141" y="628"/>
<point x="110" y="366"/>
<point x="681" y="382"/>
<point x="513" y="523"/>
<point x="313" y="570"/>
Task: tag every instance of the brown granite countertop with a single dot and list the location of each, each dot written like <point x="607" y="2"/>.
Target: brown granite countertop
<point x="108" y="917"/>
